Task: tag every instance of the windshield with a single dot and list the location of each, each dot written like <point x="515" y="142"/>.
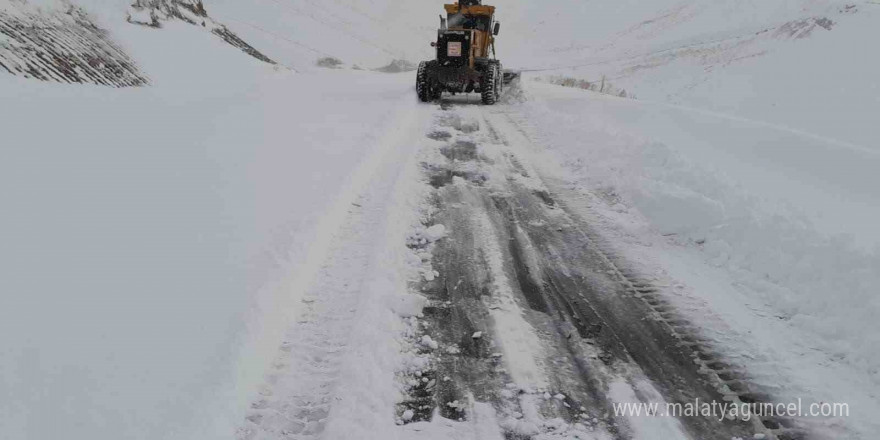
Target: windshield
<point x="478" y="22"/>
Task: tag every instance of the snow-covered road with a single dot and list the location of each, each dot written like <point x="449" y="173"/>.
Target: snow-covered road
<point x="252" y="246"/>
<point x="547" y="300"/>
<point x="588" y="256"/>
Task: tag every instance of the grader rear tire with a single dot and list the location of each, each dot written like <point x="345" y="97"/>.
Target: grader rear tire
<point x="491" y="84"/>
<point x="423" y="84"/>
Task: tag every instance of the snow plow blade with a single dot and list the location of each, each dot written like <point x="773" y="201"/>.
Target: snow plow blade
<point x="510" y="76"/>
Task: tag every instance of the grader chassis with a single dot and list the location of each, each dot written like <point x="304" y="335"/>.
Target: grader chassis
<point x="463" y="63"/>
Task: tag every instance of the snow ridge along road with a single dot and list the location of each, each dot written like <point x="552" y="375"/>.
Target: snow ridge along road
<point x="329" y="375"/>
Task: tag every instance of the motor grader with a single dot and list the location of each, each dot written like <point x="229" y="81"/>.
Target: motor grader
<point x="463" y="64"/>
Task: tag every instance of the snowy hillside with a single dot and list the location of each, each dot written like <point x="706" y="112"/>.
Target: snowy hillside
<point x="241" y="239"/>
<point x="777" y="61"/>
<point x="788" y="62"/>
<point x="61" y="44"/>
<point x="61" y="41"/>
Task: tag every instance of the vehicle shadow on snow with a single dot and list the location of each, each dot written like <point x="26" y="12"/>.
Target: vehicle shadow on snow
<point x="448" y="101"/>
<point x="511" y="93"/>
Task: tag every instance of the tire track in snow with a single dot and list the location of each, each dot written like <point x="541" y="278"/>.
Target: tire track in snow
<point x="516" y="361"/>
<point x="299" y="393"/>
<point x="606" y="335"/>
<point x="628" y="305"/>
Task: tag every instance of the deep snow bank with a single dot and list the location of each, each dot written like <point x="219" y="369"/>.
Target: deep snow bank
<point x="148" y="232"/>
<point x="156" y="240"/>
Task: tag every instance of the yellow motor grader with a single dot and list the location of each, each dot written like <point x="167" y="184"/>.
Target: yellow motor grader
<point x="463" y="64"/>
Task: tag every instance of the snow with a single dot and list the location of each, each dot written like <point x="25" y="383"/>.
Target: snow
<point x="728" y="56"/>
<point x="435" y="233"/>
<point x="745" y="172"/>
<point x="157" y="240"/>
<point x="161" y="243"/>
<point x="621" y="391"/>
<point x="429" y="343"/>
<point x="374" y="266"/>
<point x="522" y="348"/>
<point x="367" y="33"/>
<point x="771" y="246"/>
<point x="483" y="426"/>
<point x="407" y="305"/>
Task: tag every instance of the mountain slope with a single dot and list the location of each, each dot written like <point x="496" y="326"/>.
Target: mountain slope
<point x="61" y="41"/>
<point x="791" y="63"/>
<point x="62" y="45"/>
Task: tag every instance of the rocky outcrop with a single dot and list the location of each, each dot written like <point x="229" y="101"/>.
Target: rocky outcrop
<point x="64" y="46"/>
<point x="153" y="13"/>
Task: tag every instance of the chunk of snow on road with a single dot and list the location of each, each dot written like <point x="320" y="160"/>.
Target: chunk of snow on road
<point x="430" y="274"/>
<point x="520" y="427"/>
<point x="436" y="232"/>
<point x="407" y="305"/>
<point x="429" y="343"/>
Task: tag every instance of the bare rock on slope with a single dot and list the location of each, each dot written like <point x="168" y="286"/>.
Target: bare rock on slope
<point x="63" y="46"/>
<point x="398" y="66"/>
<point x="152" y="13"/>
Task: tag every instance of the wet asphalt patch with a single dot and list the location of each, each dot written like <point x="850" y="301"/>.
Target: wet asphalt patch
<point x="461" y="151"/>
<point x="461" y="157"/>
<point x="438" y="177"/>
<point x="439" y="135"/>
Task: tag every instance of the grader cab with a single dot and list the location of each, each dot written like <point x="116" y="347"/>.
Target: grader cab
<point x="463" y="63"/>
